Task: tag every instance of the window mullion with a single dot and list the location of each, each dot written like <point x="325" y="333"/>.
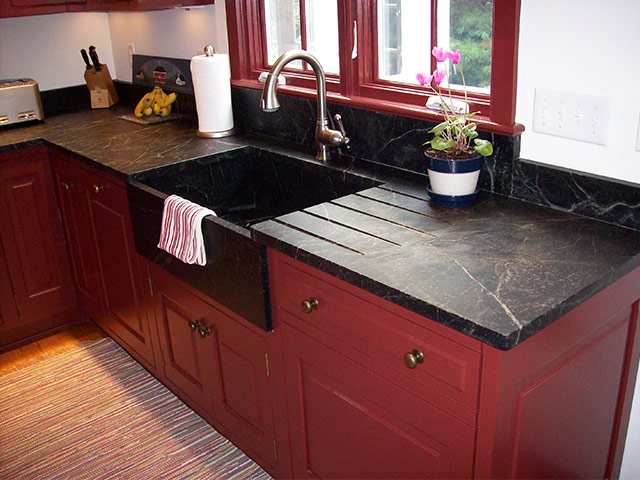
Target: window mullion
<point x="434" y="32"/>
<point x="346" y="17"/>
<point x="303" y="30"/>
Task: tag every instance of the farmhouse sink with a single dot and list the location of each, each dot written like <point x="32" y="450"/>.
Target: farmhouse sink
<point x="243" y="186"/>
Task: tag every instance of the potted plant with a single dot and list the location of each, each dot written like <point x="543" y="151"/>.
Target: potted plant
<point x="455" y="154"/>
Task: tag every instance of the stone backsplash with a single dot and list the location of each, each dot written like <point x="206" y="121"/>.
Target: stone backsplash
<point x="396" y="142"/>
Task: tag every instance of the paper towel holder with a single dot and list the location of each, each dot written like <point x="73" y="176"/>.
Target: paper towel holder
<point x="210" y="51"/>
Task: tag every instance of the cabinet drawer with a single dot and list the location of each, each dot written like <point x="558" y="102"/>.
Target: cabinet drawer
<point x="449" y="374"/>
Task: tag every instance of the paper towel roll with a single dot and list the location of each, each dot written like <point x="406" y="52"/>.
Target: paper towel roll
<point x="212" y="88"/>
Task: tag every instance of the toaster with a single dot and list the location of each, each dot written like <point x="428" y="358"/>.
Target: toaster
<point x="19" y="101"/>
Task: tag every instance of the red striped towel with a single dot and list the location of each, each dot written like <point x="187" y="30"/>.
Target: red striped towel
<point x="181" y="233"/>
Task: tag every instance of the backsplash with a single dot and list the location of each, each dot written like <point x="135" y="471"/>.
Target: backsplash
<point x="596" y="197"/>
<point x="382" y="138"/>
<point x="396" y="142"/>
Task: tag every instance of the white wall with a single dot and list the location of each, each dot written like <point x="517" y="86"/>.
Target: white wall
<point x="586" y="46"/>
<point x="175" y="33"/>
<point x="47" y="47"/>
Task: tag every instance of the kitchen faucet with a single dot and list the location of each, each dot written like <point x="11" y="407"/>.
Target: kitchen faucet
<point x="325" y="137"/>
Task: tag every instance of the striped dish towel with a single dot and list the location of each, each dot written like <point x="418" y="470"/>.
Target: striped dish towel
<point x="181" y="233"/>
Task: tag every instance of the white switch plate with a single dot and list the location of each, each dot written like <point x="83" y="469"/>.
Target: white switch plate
<point x="131" y="50"/>
<point x="578" y="116"/>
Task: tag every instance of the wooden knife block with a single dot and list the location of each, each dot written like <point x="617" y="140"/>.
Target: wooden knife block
<point x="103" y="92"/>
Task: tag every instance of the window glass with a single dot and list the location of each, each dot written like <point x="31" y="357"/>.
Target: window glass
<point x="404" y="39"/>
<point x="467" y="26"/>
<point x="282" y="19"/>
<point x="311" y="25"/>
<point x="322" y="33"/>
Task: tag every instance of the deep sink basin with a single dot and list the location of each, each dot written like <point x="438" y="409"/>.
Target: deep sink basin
<point x="243" y="186"/>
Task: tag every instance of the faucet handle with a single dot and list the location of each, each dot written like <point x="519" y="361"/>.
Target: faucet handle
<point x="338" y="118"/>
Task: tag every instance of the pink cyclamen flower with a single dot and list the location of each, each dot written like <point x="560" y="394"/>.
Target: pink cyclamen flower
<point x="423" y="78"/>
<point x="440" y="53"/>
<point x="453" y="56"/>
<point x="439" y="76"/>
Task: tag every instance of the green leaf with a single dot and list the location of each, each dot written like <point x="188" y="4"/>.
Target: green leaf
<point x="483" y="147"/>
<point x="440" y="143"/>
<point x="470" y="133"/>
<point x="439" y="128"/>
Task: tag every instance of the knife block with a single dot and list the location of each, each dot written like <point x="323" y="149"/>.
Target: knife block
<point x="103" y="92"/>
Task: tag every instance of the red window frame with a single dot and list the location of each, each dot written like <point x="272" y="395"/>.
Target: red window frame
<point x="358" y="85"/>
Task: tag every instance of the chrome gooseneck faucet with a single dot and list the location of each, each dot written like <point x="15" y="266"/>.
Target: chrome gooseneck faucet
<point x="325" y="137"/>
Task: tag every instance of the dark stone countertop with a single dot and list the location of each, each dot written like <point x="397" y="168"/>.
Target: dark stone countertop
<point x="119" y="147"/>
<point x="498" y="271"/>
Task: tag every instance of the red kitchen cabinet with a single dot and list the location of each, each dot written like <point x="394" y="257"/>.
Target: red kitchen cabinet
<point x="355" y="409"/>
<point x="142" y="5"/>
<point x="84" y="260"/>
<point x="188" y="344"/>
<point x="8" y="312"/>
<point x="123" y="290"/>
<point x="555" y="406"/>
<point x="34" y="256"/>
<point x="217" y="363"/>
<point x="20" y="8"/>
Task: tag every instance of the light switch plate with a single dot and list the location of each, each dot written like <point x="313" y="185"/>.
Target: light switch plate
<point x="578" y="116"/>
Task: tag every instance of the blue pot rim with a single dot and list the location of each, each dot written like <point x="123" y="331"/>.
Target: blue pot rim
<point x="452" y="200"/>
<point x="458" y="165"/>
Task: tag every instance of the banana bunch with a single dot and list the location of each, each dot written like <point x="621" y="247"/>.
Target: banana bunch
<point x="156" y="101"/>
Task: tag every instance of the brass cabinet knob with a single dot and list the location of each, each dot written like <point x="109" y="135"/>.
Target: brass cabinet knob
<point x="194" y="325"/>
<point x="413" y="358"/>
<point x="68" y="186"/>
<point x="98" y="188"/>
<point x="310" y="305"/>
<point x="204" y="332"/>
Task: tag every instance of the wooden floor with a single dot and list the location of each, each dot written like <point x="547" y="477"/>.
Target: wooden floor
<point x="45" y="347"/>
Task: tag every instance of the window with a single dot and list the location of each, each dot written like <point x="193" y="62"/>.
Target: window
<point x="372" y="49"/>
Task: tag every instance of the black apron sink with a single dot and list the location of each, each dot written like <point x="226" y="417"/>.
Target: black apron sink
<point x="243" y="186"/>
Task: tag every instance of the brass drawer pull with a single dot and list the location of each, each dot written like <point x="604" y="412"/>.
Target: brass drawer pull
<point x="204" y="332"/>
<point x="98" y="188"/>
<point x="193" y="326"/>
<point x="68" y="186"/>
<point x="310" y="305"/>
<point x="413" y="358"/>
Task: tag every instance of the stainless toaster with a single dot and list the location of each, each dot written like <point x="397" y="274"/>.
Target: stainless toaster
<point x="19" y="101"/>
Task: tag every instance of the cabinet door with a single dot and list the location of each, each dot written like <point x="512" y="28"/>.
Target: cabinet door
<point x="8" y="312"/>
<point x="245" y="405"/>
<point x="190" y="360"/>
<point x="218" y="362"/>
<point x="19" y="8"/>
<point x="84" y="262"/>
<point x="346" y="421"/>
<point x="120" y="277"/>
<point x="32" y="237"/>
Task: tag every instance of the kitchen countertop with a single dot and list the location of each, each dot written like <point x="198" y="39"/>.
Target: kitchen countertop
<point x="498" y="271"/>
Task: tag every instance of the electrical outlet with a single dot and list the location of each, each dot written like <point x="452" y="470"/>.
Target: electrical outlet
<point x="131" y="49"/>
<point x="578" y="116"/>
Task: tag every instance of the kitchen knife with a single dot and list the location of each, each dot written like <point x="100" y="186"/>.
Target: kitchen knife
<point x="85" y="57"/>
<point x="94" y="58"/>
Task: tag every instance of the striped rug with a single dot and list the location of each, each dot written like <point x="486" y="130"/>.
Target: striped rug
<point x="94" y="413"/>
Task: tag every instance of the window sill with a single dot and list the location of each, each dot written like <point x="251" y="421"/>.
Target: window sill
<point x="411" y="111"/>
